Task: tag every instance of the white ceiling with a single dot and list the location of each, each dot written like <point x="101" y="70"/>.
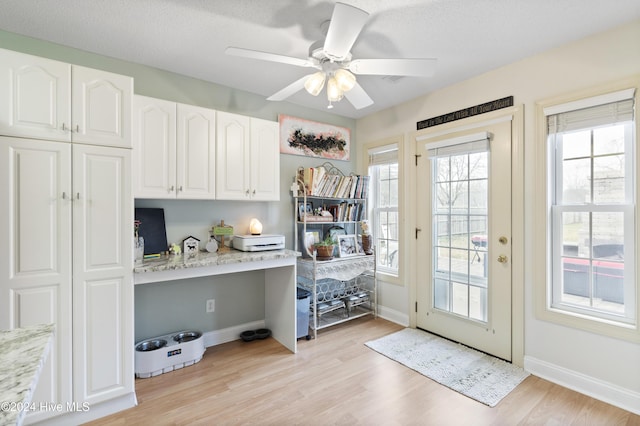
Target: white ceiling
<point x="468" y="37"/>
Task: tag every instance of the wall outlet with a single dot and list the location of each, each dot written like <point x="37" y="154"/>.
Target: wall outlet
<point x="211" y="305"/>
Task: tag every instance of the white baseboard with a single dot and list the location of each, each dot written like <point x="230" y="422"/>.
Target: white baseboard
<point x="217" y="337"/>
<point x="393" y="315"/>
<point x="93" y="412"/>
<point x="595" y="388"/>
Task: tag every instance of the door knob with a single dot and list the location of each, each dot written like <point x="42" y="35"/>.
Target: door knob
<point x="502" y="258"/>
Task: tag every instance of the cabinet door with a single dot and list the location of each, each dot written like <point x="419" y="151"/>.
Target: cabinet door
<point x="102" y="274"/>
<point x="154" y="147"/>
<point x="35" y="254"/>
<point x="35" y="97"/>
<point x="101" y="103"/>
<point x="265" y="160"/>
<point x="232" y="165"/>
<point x="196" y="152"/>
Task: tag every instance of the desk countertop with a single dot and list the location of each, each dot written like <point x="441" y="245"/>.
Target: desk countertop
<point x="205" y="263"/>
<point x="23" y="352"/>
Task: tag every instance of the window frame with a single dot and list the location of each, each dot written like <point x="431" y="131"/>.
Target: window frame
<point x="383" y="275"/>
<point x="543" y="214"/>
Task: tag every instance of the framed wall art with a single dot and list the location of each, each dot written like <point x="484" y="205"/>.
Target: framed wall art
<point x="304" y="137"/>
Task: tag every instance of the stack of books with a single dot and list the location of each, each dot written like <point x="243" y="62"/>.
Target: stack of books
<point x="319" y="183"/>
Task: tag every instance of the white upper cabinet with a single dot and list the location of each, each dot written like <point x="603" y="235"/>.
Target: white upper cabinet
<point x="247" y="158"/>
<point x="265" y="160"/>
<point x="196" y="152"/>
<point x="46" y="99"/>
<point x="154" y="147"/>
<point x="101" y="107"/>
<point x="174" y="150"/>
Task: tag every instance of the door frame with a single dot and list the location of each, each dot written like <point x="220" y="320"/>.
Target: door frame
<point x="516" y="115"/>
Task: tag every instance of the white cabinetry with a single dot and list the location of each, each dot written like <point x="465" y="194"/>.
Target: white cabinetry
<point x="46" y="99"/>
<point x="174" y="150"/>
<point x="102" y="273"/>
<point x="35" y="254"/>
<point x="247" y="158"/>
<point x="66" y="259"/>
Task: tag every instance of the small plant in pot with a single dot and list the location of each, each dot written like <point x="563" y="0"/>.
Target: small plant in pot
<point x="325" y="247"/>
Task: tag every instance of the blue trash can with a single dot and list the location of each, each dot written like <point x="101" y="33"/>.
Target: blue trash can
<point x="302" y="313"/>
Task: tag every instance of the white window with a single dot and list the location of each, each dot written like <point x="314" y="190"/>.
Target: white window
<point x="383" y="169"/>
<point x="591" y="212"/>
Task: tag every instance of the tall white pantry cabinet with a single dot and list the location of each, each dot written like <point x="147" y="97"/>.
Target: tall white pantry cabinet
<point x="67" y="220"/>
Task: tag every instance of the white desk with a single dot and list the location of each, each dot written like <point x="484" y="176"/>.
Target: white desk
<point x="279" y="275"/>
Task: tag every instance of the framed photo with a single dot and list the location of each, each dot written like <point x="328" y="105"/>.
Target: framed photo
<point x="310" y="238"/>
<point x="348" y="245"/>
<point x="304" y="209"/>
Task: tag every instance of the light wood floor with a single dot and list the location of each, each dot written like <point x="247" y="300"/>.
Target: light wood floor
<point x="336" y="380"/>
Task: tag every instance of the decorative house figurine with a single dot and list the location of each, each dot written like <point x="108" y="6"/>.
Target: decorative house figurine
<point x="190" y="245"/>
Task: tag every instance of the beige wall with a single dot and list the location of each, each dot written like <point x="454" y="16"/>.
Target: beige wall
<point x="594" y="61"/>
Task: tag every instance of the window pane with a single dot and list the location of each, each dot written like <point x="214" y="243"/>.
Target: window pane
<point x="608" y="179"/>
<point x="576" y="144"/>
<point x="459" y="167"/>
<point x="576" y="181"/>
<point x="478" y="166"/>
<point x="478" y="303"/>
<point x="442" y="230"/>
<point x="608" y="235"/>
<point x="441" y="294"/>
<point x="442" y="198"/>
<point x="459" y="196"/>
<point x="442" y="170"/>
<point x="460" y="231"/>
<point x="478" y="197"/>
<point x="608" y="140"/>
<point x="576" y="240"/>
<point x="460" y="299"/>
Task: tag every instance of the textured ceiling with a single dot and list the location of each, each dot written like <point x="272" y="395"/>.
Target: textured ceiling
<point x="468" y="37"/>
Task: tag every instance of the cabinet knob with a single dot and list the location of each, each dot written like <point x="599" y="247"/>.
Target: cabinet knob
<point x="180" y="189"/>
<point x="254" y="192"/>
<point x="171" y="188"/>
<point x="64" y="127"/>
<point x="247" y="193"/>
<point x="77" y="128"/>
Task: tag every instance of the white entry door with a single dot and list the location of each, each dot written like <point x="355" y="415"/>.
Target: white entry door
<point x="464" y="247"/>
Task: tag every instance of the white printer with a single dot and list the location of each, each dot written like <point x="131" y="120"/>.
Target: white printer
<point x="258" y="242"/>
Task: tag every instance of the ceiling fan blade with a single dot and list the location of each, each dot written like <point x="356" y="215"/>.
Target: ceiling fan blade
<point x="358" y="97"/>
<point x="346" y="23"/>
<point x="291" y="89"/>
<point x="397" y="67"/>
<point x="266" y="56"/>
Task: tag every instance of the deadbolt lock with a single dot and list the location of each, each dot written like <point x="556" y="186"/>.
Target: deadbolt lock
<point x="502" y="240"/>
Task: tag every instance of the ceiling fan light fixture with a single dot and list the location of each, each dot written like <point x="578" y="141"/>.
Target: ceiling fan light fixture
<point x="345" y="80"/>
<point x="315" y="83"/>
<point x="334" y="94"/>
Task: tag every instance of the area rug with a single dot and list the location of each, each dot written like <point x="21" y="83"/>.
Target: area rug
<point x="472" y="373"/>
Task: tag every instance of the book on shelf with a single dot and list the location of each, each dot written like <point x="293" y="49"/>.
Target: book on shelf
<point x="319" y="183"/>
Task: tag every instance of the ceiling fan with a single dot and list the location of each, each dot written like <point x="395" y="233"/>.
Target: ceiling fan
<point x="332" y="57"/>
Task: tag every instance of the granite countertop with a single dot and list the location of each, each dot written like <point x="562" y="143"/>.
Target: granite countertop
<point x="204" y="259"/>
<point x="23" y="352"/>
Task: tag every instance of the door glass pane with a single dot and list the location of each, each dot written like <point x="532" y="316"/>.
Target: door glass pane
<point x="460" y="218"/>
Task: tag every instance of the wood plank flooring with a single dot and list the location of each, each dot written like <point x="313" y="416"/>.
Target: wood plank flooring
<point x="336" y="380"/>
